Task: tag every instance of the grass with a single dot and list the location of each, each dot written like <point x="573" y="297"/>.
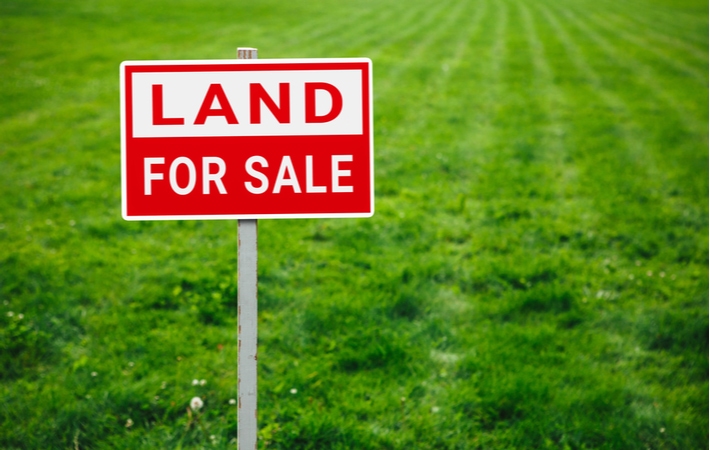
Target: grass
<point x="535" y="276"/>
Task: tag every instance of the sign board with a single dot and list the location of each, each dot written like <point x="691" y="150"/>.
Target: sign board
<point x="247" y="139"/>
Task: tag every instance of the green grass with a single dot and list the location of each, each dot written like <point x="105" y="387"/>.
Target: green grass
<point x="535" y="276"/>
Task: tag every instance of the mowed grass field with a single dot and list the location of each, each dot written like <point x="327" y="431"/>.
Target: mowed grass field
<point x="535" y="275"/>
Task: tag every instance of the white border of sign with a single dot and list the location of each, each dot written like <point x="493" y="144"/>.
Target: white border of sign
<point x="122" y="101"/>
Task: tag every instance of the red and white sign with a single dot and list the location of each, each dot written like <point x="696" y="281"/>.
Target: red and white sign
<point x="247" y="139"/>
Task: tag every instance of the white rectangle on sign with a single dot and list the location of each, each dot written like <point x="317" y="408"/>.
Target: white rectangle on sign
<point x="232" y="95"/>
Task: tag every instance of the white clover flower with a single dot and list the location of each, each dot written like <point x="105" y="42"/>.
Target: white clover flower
<point x="434" y="409"/>
<point x="195" y="382"/>
<point x="129" y="423"/>
<point x="10" y="314"/>
<point x="196" y="403"/>
<point x="163" y="385"/>
<point x="203" y="382"/>
<point x="130" y="364"/>
<point x="93" y="374"/>
<point x="232" y="401"/>
<point x="20" y="316"/>
<point x="294" y="391"/>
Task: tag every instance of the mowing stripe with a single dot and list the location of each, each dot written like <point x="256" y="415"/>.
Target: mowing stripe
<point x="615" y="22"/>
<point x="596" y="87"/>
<point x="414" y="57"/>
<point x="521" y="111"/>
<point x="436" y="92"/>
<point x="389" y="79"/>
<point x="323" y="27"/>
<point x="481" y="78"/>
<point x="374" y="30"/>
<point x="555" y="100"/>
<point x="327" y="34"/>
<point x="662" y="11"/>
<point x="699" y="76"/>
<point x="514" y="154"/>
<point x="349" y="31"/>
<point x="482" y="74"/>
<point x="655" y="20"/>
<point x="407" y="29"/>
<point x="413" y="110"/>
<point x="644" y="73"/>
<point x="499" y="49"/>
<point x="418" y="117"/>
<point x="637" y="168"/>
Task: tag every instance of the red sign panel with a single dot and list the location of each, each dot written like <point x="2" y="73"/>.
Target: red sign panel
<point x="247" y="139"/>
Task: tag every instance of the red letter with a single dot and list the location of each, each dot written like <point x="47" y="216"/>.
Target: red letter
<point x="158" y="118"/>
<point x="225" y="109"/>
<point x="335" y="108"/>
<point x="258" y="93"/>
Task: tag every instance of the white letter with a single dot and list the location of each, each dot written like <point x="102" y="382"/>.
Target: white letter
<point x="150" y="176"/>
<point x="337" y="173"/>
<point x="191" y="177"/>
<point x="286" y="166"/>
<point x="309" y="177"/>
<point x="216" y="177"/>
<point x="256" y="174"/>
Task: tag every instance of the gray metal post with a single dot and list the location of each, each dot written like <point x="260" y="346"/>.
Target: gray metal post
<point x="247" y="321"/>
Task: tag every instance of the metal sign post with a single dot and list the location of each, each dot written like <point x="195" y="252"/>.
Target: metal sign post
<point x="247" y="320"/>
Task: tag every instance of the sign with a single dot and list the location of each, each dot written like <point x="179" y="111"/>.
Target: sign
<point x="247" y="139"/>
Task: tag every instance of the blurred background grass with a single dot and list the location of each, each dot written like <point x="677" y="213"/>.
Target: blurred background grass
<point x="535" y="276"/>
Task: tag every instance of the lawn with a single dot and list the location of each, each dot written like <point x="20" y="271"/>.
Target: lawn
<point x="535" y="274"/>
